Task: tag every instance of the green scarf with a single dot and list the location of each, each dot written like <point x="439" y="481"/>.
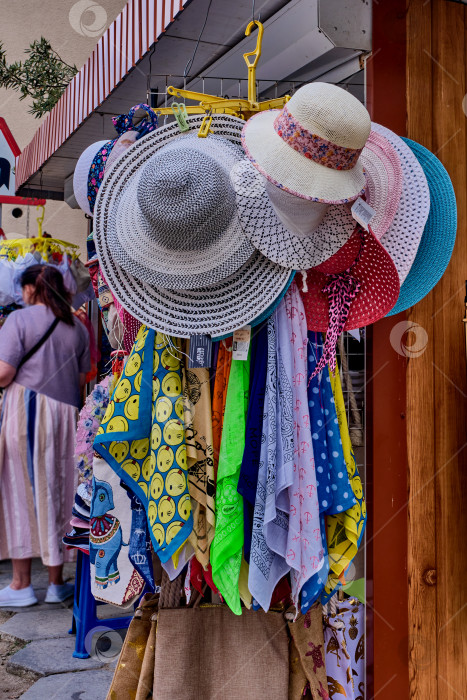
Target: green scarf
<point x="226" y="548"/>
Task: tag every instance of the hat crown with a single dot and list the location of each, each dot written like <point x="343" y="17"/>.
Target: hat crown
<point x="187" y="197"/>
<point x="331" y="113"/>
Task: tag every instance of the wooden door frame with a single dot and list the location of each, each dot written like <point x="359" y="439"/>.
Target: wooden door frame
<point x="386" y="542"/>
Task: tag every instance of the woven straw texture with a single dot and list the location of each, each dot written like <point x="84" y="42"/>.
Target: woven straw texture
<point x="374" y="270"/>
<point x="439" y="235"/>
<point x="269" y="235"/>
<point x="404" y="234"/>
<point x="80" y="176"/>
<point x="177" y="224"/>
<point x="327" y="111"/>
<point x="218" y="309"/>
<point x="384" y="180"/>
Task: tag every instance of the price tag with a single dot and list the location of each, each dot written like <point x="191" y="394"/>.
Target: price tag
<point x="362" y="212"/>
<point x="200" y="351"/>
<point x="241" y="343"/>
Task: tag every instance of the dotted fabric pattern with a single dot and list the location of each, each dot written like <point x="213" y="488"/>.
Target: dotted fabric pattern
<point x="177" y="225"/>
<point x="217" y="309"/>
<point x="378" y="278"/>
<point x="404" y="234"/>
<point x="439" y="235"/>
<point x="269" y="235"/>
<point x="384" y="181"/>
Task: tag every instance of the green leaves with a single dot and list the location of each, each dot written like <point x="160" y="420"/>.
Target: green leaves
<point x="43" y="76"/>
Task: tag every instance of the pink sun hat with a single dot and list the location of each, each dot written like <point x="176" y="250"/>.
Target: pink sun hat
<point x="384" y="180"/>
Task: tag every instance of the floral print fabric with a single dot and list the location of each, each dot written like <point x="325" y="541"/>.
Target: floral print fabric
<point x="312" y="146"/>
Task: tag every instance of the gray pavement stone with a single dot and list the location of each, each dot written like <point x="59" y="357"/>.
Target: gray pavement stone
<point x="49" y="656"/>
<point x="38" y="624"/>
<point x="85" y="685"/>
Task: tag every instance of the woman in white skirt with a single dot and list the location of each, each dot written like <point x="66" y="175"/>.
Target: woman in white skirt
<point x="44" y="356"/>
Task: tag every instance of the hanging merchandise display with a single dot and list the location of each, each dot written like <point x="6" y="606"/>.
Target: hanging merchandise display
<point x="344" y="639"/>
<point x="232" y="250"/>
<point x="113" y="576"/>
<point x="90" y="168"/>
<point x="200" y="458"/>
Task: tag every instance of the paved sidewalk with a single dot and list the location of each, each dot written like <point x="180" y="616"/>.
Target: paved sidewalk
<point x="36" y="649"/>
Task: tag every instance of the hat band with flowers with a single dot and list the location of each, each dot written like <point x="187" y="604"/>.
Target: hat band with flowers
<point x="312" y="146"/>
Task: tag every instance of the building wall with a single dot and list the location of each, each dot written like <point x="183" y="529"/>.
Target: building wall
<point x="73" y="31"/>
<point x="437" y="379"/>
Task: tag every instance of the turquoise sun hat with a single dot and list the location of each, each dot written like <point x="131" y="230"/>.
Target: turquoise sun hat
<point x="439" y="234"/>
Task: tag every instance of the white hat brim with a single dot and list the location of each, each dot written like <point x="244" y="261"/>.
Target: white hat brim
<point x="290" y="170"/>
<point x="81" y="175"/>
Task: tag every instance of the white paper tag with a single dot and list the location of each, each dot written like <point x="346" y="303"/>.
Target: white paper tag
<point x="355" y="334"/>
<point x="241" y="343"/>
<point x="362" y="212"/>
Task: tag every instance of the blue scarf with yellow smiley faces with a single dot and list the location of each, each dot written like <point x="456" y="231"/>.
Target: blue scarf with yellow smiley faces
<point x="142" y="437"/>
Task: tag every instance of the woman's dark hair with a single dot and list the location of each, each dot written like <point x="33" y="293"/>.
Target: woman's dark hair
<point x="49" y="290"/>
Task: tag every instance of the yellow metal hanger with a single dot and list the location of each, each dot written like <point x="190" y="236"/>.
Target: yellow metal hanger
<point x="212" y="104"/>
<point x="252" y="96"/>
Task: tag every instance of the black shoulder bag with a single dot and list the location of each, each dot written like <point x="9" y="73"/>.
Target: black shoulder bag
<point x="39" y="343"/>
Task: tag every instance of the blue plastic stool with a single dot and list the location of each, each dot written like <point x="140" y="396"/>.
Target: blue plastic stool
<point x="85" y="609"/>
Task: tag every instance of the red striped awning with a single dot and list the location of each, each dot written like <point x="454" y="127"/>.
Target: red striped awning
<point x="124" y="43"/>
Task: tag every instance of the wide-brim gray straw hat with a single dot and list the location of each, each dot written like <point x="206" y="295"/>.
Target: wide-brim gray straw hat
<point x="215" y="309"/>
<point x="177" y="224"/>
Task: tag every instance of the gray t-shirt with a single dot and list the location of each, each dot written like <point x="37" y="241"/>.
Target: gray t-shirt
<point x="55" y="368"/>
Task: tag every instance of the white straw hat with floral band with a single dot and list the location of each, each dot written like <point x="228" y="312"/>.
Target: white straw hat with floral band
<point x="216" y="309"/>
<point x="311" y="147"/>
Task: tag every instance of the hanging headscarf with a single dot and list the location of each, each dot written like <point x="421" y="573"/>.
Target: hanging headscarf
<point x="142" y="438"/>
<point x="226" y="548"/>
